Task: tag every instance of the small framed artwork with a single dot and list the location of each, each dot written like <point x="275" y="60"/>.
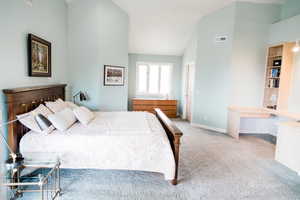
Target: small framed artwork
<point x="113" y="75"/>
<point x="39" y="57"/>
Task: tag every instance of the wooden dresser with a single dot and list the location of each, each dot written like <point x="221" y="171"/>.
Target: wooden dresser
<point x="169" y="107"/>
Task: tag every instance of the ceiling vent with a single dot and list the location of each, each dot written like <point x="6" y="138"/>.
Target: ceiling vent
<point x="221" y="39"/>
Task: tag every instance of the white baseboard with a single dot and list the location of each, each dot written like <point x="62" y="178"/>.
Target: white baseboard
<point x="219" y="130"/>
<point x="254" y="132"/>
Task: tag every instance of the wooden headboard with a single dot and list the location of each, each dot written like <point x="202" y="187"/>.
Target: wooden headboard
<point x="23" y="100"/>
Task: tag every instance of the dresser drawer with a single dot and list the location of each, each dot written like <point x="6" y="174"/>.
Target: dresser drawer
<point x="169" y="107"/>
<point x="152" y="107"/>
<point x="154" y="102"/>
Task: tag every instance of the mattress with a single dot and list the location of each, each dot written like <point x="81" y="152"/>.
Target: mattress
<point x="113" y="140"/>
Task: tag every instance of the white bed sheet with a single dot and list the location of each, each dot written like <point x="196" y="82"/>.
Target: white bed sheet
<point x="113" y="140"/>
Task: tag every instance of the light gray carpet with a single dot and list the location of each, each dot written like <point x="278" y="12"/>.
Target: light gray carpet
<point x="212" y="166"/>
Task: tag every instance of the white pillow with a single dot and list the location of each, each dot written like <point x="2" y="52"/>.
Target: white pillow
<point x="41" y="109"/>
<point x="71" y="105"/>
<point x="84" y="115"/>
<point x="56" y="106"/>
<point x="62" y="120"/>
<point x="28" y="119"/>
<point x="60" y="100"/>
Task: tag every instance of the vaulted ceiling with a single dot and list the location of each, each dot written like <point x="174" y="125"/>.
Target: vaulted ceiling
<point x="164" y="27"/>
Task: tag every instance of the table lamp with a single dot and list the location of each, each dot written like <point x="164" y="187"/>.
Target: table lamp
<point x="82" y="96"/>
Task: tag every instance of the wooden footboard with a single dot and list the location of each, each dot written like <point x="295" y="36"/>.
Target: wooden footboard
<point x="174" y="135"/>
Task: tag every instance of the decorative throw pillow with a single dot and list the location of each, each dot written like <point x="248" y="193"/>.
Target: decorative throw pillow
<point x="41" y="109"/>
<point x="84" y="115"/>
<point x="43" y="122"/>
<point x="56" y="106"/>
<point x="63" y="120"/>
<point x="28" y="119"/>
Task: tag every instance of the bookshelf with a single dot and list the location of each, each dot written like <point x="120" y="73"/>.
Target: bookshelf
<point x="278" y="76"/>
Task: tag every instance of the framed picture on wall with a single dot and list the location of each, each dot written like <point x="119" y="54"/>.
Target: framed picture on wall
<point x="113" y="75"/>
<point x="39" y="57"/>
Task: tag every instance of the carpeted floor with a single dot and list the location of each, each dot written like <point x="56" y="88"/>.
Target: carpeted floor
<point x="213" y="166"/>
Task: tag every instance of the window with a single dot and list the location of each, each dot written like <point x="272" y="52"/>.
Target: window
<point x="154" y="79"/>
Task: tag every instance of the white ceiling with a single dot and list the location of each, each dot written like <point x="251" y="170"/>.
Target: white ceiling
<point x="163" y="27"/>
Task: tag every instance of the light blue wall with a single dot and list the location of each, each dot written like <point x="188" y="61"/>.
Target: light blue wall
<point x="46" y="19"/>
<point x="211" y="86"/>
<point x="290" y="8"/>
<point x="97" y="35"/>
<point x="190" y="52"/>
<point x="285" y="30"/>
<point x="176" y="76"/>
<point x="17" y="19"/>
<point x="230" y="73"/>
<point x="252" y="23"/>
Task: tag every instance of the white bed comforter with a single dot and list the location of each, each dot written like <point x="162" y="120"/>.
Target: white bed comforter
<point x="113" y="140"/>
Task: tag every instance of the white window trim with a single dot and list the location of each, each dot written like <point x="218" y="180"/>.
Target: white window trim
<point x="154" y="95"/>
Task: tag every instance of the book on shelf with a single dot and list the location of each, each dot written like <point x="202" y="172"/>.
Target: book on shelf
<point x="273" y="83"/>
<point x="275" y="73"/>
<point x="274" y="107"/>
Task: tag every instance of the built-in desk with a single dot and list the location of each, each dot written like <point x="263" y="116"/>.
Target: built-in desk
<point x="236" y="113"/>
<point x="288" y="136"/>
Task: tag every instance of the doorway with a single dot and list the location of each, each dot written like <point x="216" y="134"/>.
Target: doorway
<point x="189" y="91"/>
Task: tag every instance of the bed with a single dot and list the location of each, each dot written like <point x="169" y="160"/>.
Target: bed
<point x="113" y="140"/>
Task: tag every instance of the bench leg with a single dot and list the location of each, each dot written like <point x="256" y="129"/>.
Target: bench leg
<point x="174" y="181"/>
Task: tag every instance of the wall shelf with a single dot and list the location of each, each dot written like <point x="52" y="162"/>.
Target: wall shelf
<point x="278" y="77"/>
<point x="274" y="67"/>
<point x="278" y="56"/>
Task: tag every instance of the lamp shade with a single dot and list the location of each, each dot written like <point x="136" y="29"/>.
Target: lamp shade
<point x="43" y="122"/>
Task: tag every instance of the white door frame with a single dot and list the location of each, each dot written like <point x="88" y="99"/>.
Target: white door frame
<point x="185" y="88"/>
